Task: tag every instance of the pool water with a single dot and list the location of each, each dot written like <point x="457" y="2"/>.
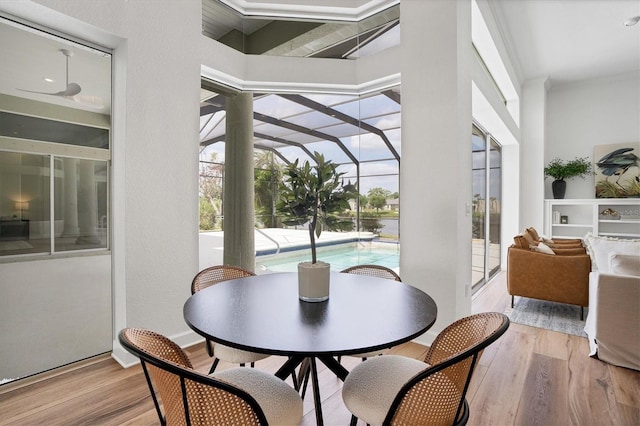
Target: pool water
<point x="340" y="257"/>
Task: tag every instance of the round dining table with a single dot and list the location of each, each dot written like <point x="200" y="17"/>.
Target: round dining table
<point x="264" y="314"/>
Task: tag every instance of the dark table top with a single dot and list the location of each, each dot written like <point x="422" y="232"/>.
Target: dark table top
<point x="263" y="314"/>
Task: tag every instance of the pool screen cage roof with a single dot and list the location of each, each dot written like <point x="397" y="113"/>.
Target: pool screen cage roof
<point x="349" y="130"/>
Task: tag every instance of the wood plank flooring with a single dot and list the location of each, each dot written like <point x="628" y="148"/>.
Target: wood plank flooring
<point x="529" y="376"/>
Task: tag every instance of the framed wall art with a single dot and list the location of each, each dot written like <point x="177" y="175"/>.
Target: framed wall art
<point x="617" y="170"/>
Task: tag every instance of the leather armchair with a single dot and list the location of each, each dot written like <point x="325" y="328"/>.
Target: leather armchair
<point x="562" y="277"/>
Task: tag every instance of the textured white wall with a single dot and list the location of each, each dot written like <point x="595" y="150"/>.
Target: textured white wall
<point x="155" y="146"/>
<point x="435" y="177"/>
<point x="593" y="112"/>
<point x="158" y="57"/>
<point x="534" y="106"/>
<point x="42" y="300"/>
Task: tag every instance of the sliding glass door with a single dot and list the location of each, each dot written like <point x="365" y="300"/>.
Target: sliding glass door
<point x="486" y="175"/>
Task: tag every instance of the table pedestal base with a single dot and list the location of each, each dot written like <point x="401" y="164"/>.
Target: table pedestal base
<point x="307" y="363"/>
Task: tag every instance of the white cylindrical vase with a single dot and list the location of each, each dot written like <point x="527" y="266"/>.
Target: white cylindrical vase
<point x="313" y="281"/>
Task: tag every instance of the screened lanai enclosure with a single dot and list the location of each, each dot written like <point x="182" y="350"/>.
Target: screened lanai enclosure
<point x="360" y="133"/>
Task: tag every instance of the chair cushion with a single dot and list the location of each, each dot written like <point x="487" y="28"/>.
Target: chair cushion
<point x="235" y="356"/>
<point x="529" y="238"/>
<point x="542" y="248"/>
<point x="520" y="242"/>
<point x="370" y="388"/>
<point x="534" y="234"/>
<point x="280" y="403"/>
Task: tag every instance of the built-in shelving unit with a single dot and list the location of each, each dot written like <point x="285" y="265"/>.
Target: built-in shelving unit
<point x="572" y="218"/>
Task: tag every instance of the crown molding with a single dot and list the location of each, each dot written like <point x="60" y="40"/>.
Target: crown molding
<point x="315" y="12"/>
<point x="238" y="84"/>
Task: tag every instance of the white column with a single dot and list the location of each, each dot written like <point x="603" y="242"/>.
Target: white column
<point x="71" y="228"/>
<point x="87" y="203"/>
<point x="238" y="196"/>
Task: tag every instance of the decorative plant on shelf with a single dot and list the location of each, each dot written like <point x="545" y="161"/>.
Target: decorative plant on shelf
<point x="315" y="195"/>
<point x="559" y="170"/>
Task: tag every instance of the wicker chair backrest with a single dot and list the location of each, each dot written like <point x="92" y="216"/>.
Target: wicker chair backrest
<point x="188" y="397"/>
<point x="216" y="274"/>
<point x="373" y="271"/>
<point x="436" y="396"/>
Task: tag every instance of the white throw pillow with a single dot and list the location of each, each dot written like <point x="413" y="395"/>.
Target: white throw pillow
<point x="599" y="249"/>
<point x="624" y="264"/>
<point x="542" y="248"/>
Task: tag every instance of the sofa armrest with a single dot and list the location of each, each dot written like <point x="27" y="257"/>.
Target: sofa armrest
<point x="613" y="321"/>
<point x="563" y="279"/>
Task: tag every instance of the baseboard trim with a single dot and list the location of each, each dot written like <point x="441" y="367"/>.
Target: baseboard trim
<point x="126" y="359"/>
<point x="426" y="339"/>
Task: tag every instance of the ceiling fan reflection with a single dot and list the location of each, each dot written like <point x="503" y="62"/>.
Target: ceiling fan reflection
<point x="72" y="91"/>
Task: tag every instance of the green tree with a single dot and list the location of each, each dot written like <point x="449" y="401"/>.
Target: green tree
<point x="268" y="174"/>
<point x="364" y="201"/>
<point x="316" y="196"/>
<point x="370" y="222"/>
<point x="211" y="176"/>
<point x="378" y="197"/>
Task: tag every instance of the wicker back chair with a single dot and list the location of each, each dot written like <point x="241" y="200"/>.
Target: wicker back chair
<point x="191" y="398"/>
<point x="373" y="271"/>
<point x="216" y="274"/>
<point x="206" y="278"/>
<point x="429" y="392"/>
<point x="377" y="272"/>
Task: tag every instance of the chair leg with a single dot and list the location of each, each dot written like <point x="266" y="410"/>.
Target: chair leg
<point x="512" y="297"/>
<point x="305" y="383"/>
<point x="303" y="377"/>
<point x="294" y="378"/>
<point x="354" y="420"/>
<point x="581" y="313"/>
<point x="215" y="364"/>
<point x="253" y="364"/>
<point x="208" y="344"/>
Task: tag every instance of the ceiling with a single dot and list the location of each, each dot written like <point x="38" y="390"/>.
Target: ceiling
<point x="571" y="40"/>
<point x="565" y="40"/>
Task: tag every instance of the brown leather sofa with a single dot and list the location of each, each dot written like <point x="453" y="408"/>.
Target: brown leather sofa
<point x="560" y="277"/>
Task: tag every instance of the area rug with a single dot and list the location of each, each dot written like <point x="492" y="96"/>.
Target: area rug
<point x="548" y="315"/>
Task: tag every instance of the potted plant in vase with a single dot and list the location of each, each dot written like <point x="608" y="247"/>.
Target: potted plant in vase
<point x="315" y="195"/>
<point x="559" y="170"/>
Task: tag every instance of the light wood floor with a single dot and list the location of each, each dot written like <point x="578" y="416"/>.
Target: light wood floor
<point x="530" y="376"/>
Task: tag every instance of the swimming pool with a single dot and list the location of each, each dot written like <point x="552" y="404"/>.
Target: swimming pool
<point x="339" y="256"/>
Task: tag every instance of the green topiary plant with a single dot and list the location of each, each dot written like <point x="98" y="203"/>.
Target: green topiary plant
<point x="559" y="170"/>
<point x="315" y="195"/>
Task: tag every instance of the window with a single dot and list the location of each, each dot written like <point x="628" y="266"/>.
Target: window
<point x="54" y="144"/>
<point x="360" y="134"/>
<point x="486" y="175"/>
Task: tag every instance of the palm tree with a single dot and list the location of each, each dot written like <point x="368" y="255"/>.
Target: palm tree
<point x="268" y="174"/>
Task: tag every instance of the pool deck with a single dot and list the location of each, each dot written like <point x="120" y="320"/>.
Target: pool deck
<point x="270" y="240"/>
